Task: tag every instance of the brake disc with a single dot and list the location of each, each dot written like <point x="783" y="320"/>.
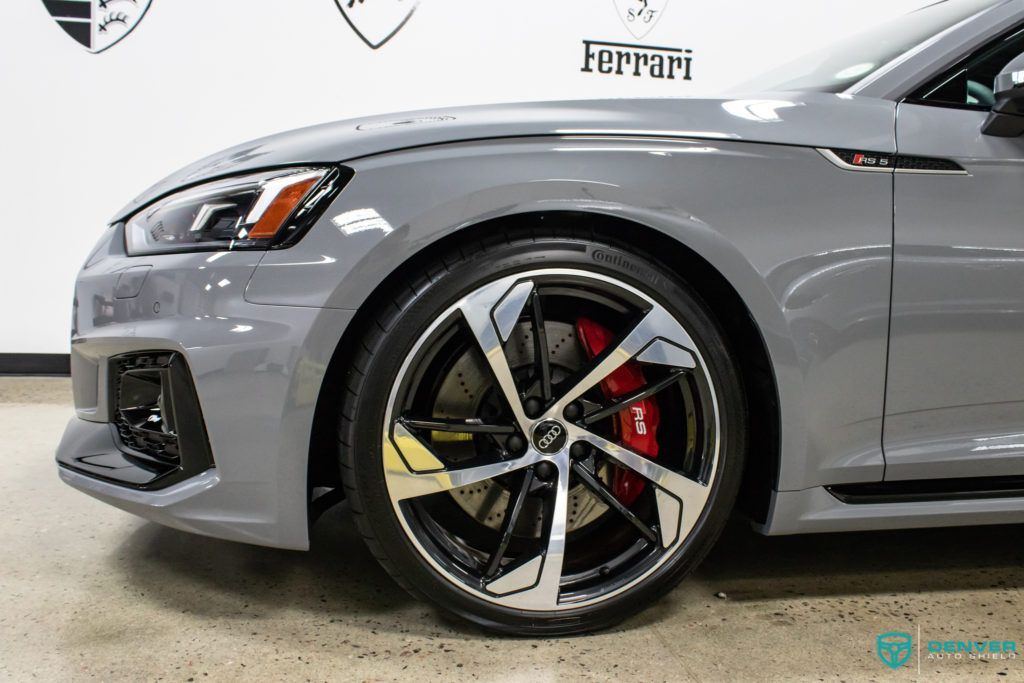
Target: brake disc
<point x="461" y="394"/>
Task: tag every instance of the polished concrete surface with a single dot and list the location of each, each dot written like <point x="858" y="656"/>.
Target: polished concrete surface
<point x="89" y="592"/>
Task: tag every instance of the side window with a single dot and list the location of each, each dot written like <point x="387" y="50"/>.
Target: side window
<point x="969" y="84"/>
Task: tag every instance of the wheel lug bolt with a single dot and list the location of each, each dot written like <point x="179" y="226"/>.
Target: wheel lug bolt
<point x="573" y="411"/>
<point x="515" y="443"/>
<point x="579" y="450"/>
<point x="533" y="406"/>
<point x="545" y="471"/>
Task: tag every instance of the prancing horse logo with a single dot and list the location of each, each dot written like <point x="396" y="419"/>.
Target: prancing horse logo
<point x="97" y="24"/>
<point x="377" y="21"/>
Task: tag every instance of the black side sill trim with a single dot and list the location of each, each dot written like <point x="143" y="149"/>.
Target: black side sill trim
<point x="929" y="490"/>
<point x="35" y="364"/>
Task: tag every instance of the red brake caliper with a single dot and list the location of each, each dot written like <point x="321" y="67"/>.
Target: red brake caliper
<point x="635" y="427"/>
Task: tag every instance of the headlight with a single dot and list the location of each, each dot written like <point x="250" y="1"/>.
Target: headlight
<point x="256" y="211"/>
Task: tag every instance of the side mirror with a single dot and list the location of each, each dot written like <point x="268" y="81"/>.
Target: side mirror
<point x="1007" y="117"/>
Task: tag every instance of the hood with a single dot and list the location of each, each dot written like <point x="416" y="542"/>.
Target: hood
<point x="804" y="119"/>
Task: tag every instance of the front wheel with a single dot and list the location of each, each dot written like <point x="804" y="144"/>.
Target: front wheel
<point x="543" y="437"/>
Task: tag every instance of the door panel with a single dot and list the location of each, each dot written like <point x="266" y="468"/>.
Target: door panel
<point x="955" y="390"/>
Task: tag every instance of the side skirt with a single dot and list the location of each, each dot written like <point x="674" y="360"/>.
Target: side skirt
<point x="818" y="510"/>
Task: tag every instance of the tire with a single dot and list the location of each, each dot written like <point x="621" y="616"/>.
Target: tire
<point x="441" y="548"/>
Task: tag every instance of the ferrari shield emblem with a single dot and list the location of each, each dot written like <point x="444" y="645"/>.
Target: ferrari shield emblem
<point x="894" y="648"/>
<point x="97" y="24"/>
<point x="377" y="21"/>
<point x="640" y="16"/>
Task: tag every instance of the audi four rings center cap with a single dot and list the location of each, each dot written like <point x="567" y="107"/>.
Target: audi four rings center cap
<point x="549" y="437"/>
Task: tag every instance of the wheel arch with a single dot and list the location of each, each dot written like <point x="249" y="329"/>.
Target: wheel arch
<point x="729" y="307"/>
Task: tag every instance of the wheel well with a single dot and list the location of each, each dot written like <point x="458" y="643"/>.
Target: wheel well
<point x="747" y="345"/>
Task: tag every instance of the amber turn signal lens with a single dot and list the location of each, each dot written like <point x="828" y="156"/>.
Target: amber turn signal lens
<point x="280" y="209"/>
<point x="260" y="210"/>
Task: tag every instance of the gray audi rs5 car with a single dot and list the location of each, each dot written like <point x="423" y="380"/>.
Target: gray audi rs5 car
<point x="544" y="351"/>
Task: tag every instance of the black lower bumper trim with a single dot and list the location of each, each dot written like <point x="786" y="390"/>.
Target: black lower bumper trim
<point x="111" y="464"/>
<point x="929" y="490"/>
<point x="94" y="449"/>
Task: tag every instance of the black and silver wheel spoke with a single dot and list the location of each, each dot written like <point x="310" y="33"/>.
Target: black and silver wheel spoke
<point x="404" y="483"/>
<point x="680" y="499"/>
<point x="508" y="526"/>
<point x="491" y="313"/>
<point x="591" y="481"/>
<point x="456" y="426"/>
<point x="535" y="581"/>
<point x="540" y="348"/>
<point x="624" y="402"/>
<point x="657" y="339"/>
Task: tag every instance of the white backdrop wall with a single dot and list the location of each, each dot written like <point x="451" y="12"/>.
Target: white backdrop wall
<point x="83" y="133"/>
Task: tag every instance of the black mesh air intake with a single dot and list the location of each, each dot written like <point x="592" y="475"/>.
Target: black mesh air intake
<point x="155" y="411"/>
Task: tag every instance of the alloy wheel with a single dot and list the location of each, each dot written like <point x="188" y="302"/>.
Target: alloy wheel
<point x="502" y="454"/>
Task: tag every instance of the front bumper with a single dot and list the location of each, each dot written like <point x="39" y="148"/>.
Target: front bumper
<point x="257" y="372"/>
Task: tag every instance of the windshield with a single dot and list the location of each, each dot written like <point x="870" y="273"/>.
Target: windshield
<point x="840" y="66"/>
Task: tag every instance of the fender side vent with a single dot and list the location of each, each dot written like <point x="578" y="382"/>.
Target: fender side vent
<point x="883" y="162"/>
<point x="909" y="164"/>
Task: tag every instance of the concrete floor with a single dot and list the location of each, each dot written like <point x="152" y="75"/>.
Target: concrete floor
<point x="88" y="592"/>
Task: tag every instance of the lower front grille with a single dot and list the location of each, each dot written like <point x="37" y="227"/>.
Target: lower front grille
<point x="156" y="423"/>
<point x="143" y="407"/>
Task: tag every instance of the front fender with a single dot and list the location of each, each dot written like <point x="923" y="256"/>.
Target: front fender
<point x="806" y="245"/>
